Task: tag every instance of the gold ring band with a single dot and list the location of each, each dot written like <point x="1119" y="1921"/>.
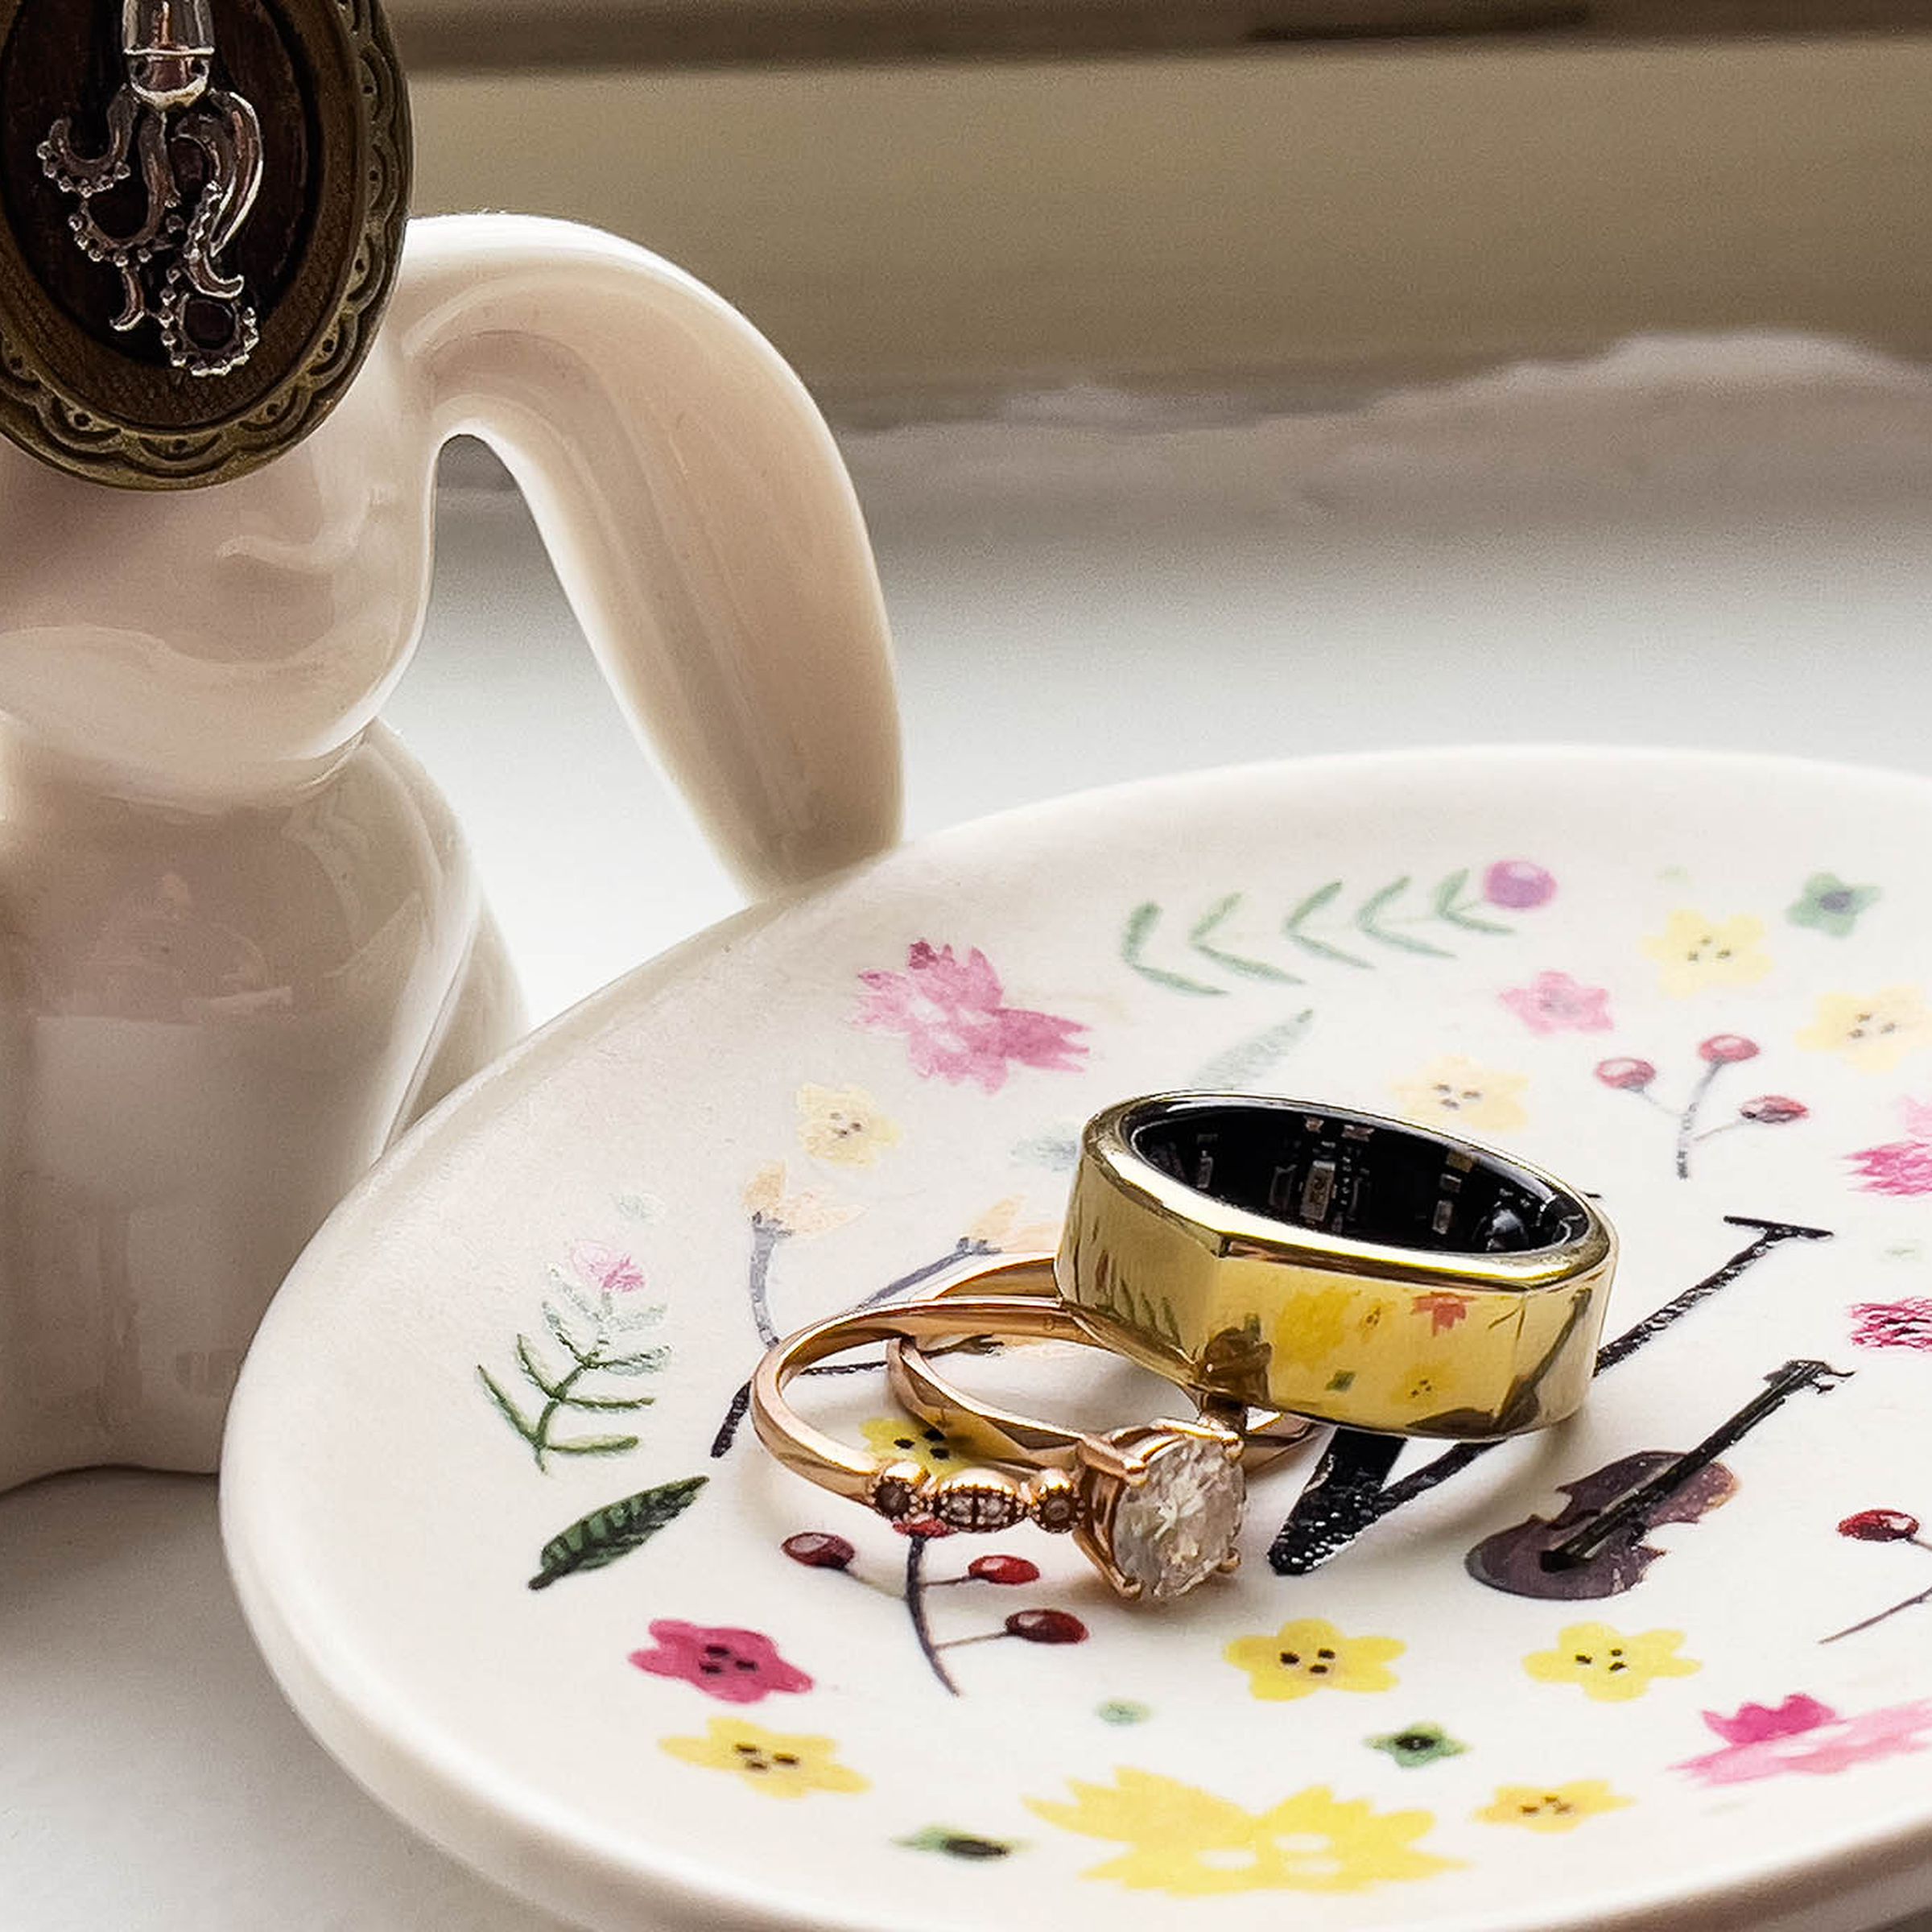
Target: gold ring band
<point x="996" y="1433"/>
<point x="1338" y="1265"/>
<point x="1156" y="1508"/>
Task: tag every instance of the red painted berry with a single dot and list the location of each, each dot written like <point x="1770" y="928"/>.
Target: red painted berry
<point x="1631" y="1076"/>
<point x="927" y="1529"/>
<point x="1047" y="1626"/>
<point x="1879" y="1526"/>
<point x="1774" y="1110"/>
<point x="819" y="1549"/>
<point x="1003" y="1570"/>
<point x="1726" y="1048"/>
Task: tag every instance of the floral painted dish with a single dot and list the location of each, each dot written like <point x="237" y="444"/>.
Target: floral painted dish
<point x="499" y="1527"/>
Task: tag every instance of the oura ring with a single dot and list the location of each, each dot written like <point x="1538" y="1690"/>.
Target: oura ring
<point x="1156" y="1508"/>
<point x="1286" y="1255"/>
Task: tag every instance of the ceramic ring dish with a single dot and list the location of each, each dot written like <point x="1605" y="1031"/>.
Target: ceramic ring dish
<point x="497" y="1524"/>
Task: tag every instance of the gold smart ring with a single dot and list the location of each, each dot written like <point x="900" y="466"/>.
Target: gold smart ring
<point x="1342" y="1266"/>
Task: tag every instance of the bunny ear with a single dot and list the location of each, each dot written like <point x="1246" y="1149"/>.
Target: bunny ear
<point x="698" y="515"/>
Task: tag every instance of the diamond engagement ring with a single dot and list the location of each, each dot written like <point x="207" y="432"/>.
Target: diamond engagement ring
<point x="1156" y="1508"/>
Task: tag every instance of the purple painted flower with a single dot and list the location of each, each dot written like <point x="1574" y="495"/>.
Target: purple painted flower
<point x="955" y="1021"/>
<point x="1802" y="1735"/>
<point x="735" y="1666"/>
<point x="1518" y="884"/>
<point x="1553" y="1002"/>
<point x="607" y="1270"/>
<point x="1905" y="1324"/>
<point x="1626" y="1074"/>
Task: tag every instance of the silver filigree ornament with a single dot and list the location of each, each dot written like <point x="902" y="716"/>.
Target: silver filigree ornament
<point x="168" y="264"/>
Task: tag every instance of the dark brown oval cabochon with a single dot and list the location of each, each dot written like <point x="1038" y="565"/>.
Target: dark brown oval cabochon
<point x="195" y="246"/>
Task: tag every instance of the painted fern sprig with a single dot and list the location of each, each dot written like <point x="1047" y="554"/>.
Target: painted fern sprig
<point x="593" y="1320"/>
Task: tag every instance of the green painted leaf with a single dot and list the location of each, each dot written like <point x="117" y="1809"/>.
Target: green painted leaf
<point x="584" y="1303"/>
<point x="1309" y="906"/>
<point x="967" y="1845"/>
<point x="604" y="1404"/>
<point x="1246" y="1061"/>
<point x="1446" y="896"/>
<point x="590" y="1445"/>
<point x="505" y="1408"/>
<point x="614" y="1531"/>
<point x="560" y="1331"/>
<point x="536" y="1368"/>
<point x="1213" y="916"/>
<point x="1372" y="908"/>
<point x="646" y="1315"/>
<point x="1140" y="923"/>
<point x="646" y="1361"/>
<point x="1210" y="922"/>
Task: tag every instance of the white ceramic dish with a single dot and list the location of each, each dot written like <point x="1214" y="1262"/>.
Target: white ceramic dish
<point x="1695" y="985"/>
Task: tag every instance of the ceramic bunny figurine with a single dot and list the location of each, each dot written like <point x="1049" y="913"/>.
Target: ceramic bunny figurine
<point x="243" y="943"/>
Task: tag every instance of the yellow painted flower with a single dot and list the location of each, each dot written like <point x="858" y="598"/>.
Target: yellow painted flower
<point x="1873" y="1032"/>
<point x="1457" y="1091"/>
<point x="1001" y="1229"/>
<point x="771" y="1761"/>
<point x="1611" y="1667"/>
<point x="1191" y="1843"/>
<point x="1310" y="1655"/>
<point x="766" y="1198"/>
<point x="896" y="1440"/>
<point x="844" y="1126"/>
<point x="1696" y="953"/>
<point x="1552" y="1808"/>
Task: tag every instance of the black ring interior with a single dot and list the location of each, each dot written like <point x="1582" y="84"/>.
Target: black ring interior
<point x="1354" y="1174"/>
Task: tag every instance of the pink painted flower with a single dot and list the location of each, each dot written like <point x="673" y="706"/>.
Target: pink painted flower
<point x="1753" y="1723"/>
<point x="1900" y="1166"/>
<point x="1773" y="1109"/>
<point x="1444" y="1308"/>
<point x="1517" y="884"/>
<point x="1905" y="1324"/>
<point x="1802" y="1735"/>
<point x="607" y="1270"/>
<point x="1895" y="1167"/>
<point x="957" y="1022"/>
<point x="735" y="1666"/>
<point x="1553" y="1002"/>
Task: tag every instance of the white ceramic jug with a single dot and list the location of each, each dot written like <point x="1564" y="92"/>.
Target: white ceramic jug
<point x="244" y="946"/>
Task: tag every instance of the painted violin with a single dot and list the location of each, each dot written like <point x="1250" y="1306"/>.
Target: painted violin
<point x="1597" y="1546"/>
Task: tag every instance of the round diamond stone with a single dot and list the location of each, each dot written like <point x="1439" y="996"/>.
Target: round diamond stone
<point x="1177" y="1527"/>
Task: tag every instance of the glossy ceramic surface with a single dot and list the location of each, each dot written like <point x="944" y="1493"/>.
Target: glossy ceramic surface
<point x="497" y="1527"/>
<point x="243" y="944"/>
